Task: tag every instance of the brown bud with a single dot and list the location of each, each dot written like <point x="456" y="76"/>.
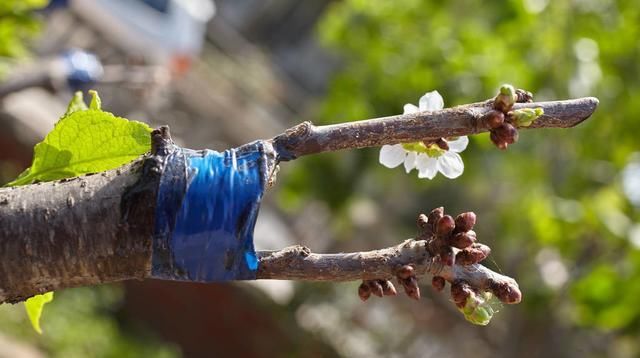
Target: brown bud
<point x="442" y="144"/>
<point x="473" y="254"/>
<point x="523" y="96"/>
<point x="506" y="292"/>
<point x="405" y="272"/>
<point x="435" y="215"/>
<point x="460" y="291"/>
<point x="388" y="288"/>
<point x="462" y="240"/>
<point x="465" y="221"/>
<point x="445" y="226"/>
<point x="437" y="282"/>
<point x="364" y="291"/>
<point x="376" y="288"/>
<point x="494" y="119"/>
<point x="501" y="144"/>
<point x="506" y="133"/>
<point x="411" y="287"/>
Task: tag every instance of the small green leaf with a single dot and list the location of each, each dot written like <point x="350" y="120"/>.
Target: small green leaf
<point x="76" y="104"/>
<point x="86" y="141"/>
<point x="34" y="307"/>
<point x="96" y="102"/>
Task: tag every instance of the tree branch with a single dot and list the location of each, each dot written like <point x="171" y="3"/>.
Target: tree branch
<point x="298" y="263"/>
<point x="100" y="228"/>
<point x="306" y="138"/>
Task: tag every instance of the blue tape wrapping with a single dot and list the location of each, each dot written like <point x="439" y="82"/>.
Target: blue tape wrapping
<point x="207" y="206"/>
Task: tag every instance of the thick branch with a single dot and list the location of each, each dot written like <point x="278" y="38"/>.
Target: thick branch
<point x="306" y="138"/>
<point x="298" y="263"/>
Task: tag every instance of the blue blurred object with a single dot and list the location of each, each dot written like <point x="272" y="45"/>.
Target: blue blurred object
<point x="56" y="4"/>
<point x="82" y="69"/>
<point x="161" y="31"/>
<point x="207" y="206"/>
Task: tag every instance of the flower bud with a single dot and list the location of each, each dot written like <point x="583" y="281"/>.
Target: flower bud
<point x="523" y="96"/>
<point x="506" y="133"/>
<point x="411" y="287"/>
<point x="405" y="272"/>
<point x="364" y="291"/>
<point x="460" y="291"/>
<point x="494" y="119"/>
<point x="462" y="240"/>
<point x="472" y="254"/>
<point x="388" y="288"/>
<point x="501" y="144"/>
<point x="465" y="221"/>
<point x="437" y="282"/>
<point x="442" y="144"/>
<point x="435" y="215"/>
<point x="505" y="99"/>
<point x="445" y="226"/>
<point x="525" y="116"/>
<point x="376" y="288"/>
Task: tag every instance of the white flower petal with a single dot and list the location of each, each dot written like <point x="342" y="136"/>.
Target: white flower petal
<point x="410" y="161"/>
<point x="431" y="101"/>
<point x="392" y="155"/>
<point x="427" y="166"/>
<point x="450" y="165"/>
<point x="410" y="108"/>
<point x="459" y="144"/>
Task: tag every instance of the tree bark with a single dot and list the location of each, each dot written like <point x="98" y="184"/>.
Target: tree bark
<point x="99" y="228"/>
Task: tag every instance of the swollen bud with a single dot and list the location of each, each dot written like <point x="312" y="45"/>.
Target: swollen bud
<point x="472" y="254"/>
<point x="525" y="116"/>
<point x="505" y="99"/>
<point x="422" y="221"/>
<point x="388" y="288"/>
<point x="524" y="96"/>
<point x="405" y="272"/>
<point x="435" y="215"/>
<point x="376" y="288"/>
<point x="462" y="240"/>
<point x="445" y="226"/>
<point x="411" y="287"/>
<point x="364" y="291"/>
<point x="501" y="144"/>
<point x="506" y="133"/>
<point x="465" y="221"/>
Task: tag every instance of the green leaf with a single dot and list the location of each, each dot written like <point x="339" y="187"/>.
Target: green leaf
<point x="34" y="307"/>
<point x="76" y="104"/>
<point x="86" y="141"/>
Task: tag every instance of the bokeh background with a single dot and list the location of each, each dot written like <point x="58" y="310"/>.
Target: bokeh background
<point x="561" y="208"/>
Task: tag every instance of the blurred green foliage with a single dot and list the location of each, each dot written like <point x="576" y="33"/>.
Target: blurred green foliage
<point x="553" y="202"/>
<point x="17" y="24"/>
<point x="82" y="322"/>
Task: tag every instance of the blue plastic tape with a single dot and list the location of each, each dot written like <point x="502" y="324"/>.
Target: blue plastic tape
<point x="207" y="206"/>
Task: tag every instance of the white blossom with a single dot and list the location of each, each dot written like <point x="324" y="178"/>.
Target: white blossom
<point x="429" y="159"/>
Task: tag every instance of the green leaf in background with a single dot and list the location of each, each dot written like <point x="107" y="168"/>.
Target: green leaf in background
<point x="86" y="141"/>
<point x="34" y="307"/>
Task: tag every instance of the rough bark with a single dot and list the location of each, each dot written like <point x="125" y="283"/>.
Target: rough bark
<point x="74" y="232"/>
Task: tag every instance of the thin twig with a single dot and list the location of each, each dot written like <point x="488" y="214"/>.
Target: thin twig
<point x="298" y="263"/>
<point x="306" y="138"/>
